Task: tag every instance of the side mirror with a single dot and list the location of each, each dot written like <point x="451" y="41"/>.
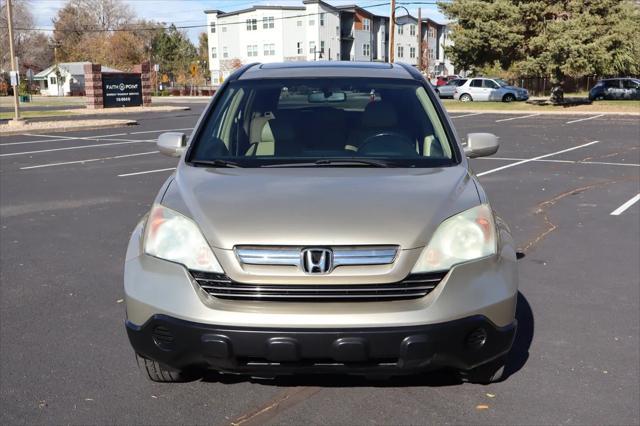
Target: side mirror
<point x="481" y="145"/>
<point x="172" y="144"/>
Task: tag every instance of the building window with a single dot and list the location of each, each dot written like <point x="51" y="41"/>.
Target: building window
<point x="269" y="49"/>
<point x="213" y="28"/>
<point x="312" y="22"/>
<point x="412" y="52"/>
<point x="252" y="24"/>
<point x="252" y="50"/>
<point x="322" y="19"/>
<point x="299" y="23"/>
<point x="431" y="55"/>
<point x="337" y="31"/>
<point x="412" y="30"/>
<point x="224" y="29"/>
<point x="214" y="52"/>
<point x="366" y="24"/>
<point x="267" y="22"/>
<point x="52" y="80"/>
<point x="366" y="49"/>
<point x="400" y="30"/>
<point x="225" y="52"/>
<point x="400" y="51"/>
<point x="300" y="48"/>
<point x="312" y="47"/>
<point x="321" y="46"/>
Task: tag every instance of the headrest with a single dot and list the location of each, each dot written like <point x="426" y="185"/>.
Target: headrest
<point x="379" y="114"/>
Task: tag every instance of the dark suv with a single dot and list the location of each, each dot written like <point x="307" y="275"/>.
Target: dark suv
<point x="616" y="88"/>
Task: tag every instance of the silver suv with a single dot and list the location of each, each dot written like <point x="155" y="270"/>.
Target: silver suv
<point x="489" y="89"/>
<point x="323" y="218"/>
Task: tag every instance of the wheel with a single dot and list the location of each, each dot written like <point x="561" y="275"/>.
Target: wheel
<point x="508" y="98"/>
<point x="465" y="98"/>
<point x="158" y="373"/>
<point x="491" y="372"/>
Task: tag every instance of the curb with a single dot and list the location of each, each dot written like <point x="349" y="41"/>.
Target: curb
<point x="121" y="123"/>
<point x="500" y="111"/>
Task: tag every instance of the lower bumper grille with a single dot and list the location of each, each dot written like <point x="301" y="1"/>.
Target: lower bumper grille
<point x="414" y="286"/>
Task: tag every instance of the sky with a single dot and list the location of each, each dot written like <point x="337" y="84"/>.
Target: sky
<point x="191" y="12"/>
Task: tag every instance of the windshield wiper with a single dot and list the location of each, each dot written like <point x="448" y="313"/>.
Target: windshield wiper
<point x="216" y="163"/>
<point x="335" y="161"/>
<point x="366" y="162"/>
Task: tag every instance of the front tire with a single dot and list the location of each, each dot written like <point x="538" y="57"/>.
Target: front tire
<point x="508" y="98"/>
<point x="158" y="373"/>
<point x="491" y="372"/>
<point x="465" y="98"/>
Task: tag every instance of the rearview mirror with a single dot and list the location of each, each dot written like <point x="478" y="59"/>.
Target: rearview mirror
<point x="172" y="144"/>
<point x="481" y="145"/>
<point x="318" y="97"/>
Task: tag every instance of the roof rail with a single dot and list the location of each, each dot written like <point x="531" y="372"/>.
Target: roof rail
<point x="411" y="70"/>
<point x="237" y="73"/>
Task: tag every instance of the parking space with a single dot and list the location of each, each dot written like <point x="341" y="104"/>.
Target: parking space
<point x="70" y="200"/>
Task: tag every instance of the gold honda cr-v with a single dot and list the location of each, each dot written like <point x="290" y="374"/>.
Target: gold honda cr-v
<point x="322" y="218"/>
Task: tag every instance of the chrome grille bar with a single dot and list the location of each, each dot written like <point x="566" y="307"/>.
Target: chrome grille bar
<point x="413" y="286"/>
<point x="290" y="256"/>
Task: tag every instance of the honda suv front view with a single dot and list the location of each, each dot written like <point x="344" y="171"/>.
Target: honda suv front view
<point x="322" y="218"/>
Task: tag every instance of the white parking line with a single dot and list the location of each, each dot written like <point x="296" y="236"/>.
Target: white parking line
<point x="147" y="171"/>
<point x="517" y="118"/>
<point x="160" y="131"/>
<point x="124" y="142"/>
<point x="87" y="161"/>
<point x="604" y="163"/>
<point x="468" y="115"/>
<point x="585" y="119"/>
<point x="535" y="158"/>
<point x="625" y="206"/>
<point x="38" y="141"/>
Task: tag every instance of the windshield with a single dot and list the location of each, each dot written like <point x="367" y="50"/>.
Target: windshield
<point x="323" y="122"/>
<point x="501" y="82"/>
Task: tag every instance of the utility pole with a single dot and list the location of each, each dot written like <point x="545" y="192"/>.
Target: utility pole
<point x="392" y="29"/>
<point x="16" y="103"/>
<point x="420" y="39"/>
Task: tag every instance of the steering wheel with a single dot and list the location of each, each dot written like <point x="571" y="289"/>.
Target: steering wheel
<point x="388" y="142"/>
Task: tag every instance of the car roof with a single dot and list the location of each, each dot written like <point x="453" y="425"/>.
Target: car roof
<point x="312" y="69"/>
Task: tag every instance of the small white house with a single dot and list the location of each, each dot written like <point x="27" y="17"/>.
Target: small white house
<point x="64" y="79"/>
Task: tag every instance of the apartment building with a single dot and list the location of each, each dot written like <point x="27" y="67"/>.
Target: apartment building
<point x="312" y="31"/>
<point x="272" y="34"/>
<point x="363" y="35"/>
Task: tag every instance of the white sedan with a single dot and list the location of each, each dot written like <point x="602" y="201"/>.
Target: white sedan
<point x="489" y="89"/>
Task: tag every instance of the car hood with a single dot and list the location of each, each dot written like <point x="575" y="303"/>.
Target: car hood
<point x="325" y="206"/>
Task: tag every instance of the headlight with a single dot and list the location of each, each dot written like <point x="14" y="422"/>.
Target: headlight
<point x="172" y="236"/>
<point x="466" y="236"/>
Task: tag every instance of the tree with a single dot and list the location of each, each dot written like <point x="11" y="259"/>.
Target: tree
<point x="31" y="47"/>
<point x="174" y="52"/>
<point x="546" y="37"/>
<point x="203" y="50"/>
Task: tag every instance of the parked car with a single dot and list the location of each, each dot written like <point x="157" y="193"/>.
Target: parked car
<point x="322" y="232"/>
<point x="448" y="89"/>
<point x="489" y="89"/>
<point x="616" y="88"/>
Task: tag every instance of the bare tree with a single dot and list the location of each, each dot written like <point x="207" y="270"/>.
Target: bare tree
<point x="32" y="47"/>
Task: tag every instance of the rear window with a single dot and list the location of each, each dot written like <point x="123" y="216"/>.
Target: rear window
<point x="276" y="122"/>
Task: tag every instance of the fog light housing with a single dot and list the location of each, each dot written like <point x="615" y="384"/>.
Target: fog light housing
<point x="477" y="338"/>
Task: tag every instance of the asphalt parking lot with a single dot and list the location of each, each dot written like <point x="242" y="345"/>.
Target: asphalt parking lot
<point x="68" y="202"/>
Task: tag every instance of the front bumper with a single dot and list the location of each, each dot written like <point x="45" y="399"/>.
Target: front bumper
<point x="181" y="344"/>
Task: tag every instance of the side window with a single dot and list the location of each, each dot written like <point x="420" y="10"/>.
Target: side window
<point x="476" y="82"/>
<point x="612" y="84"/>
<point x="461" y="82"/>
<point x="630" y="84"/>
<point x="490" y="84"/>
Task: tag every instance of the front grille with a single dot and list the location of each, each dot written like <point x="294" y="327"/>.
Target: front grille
<point x="414" y="286"/>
